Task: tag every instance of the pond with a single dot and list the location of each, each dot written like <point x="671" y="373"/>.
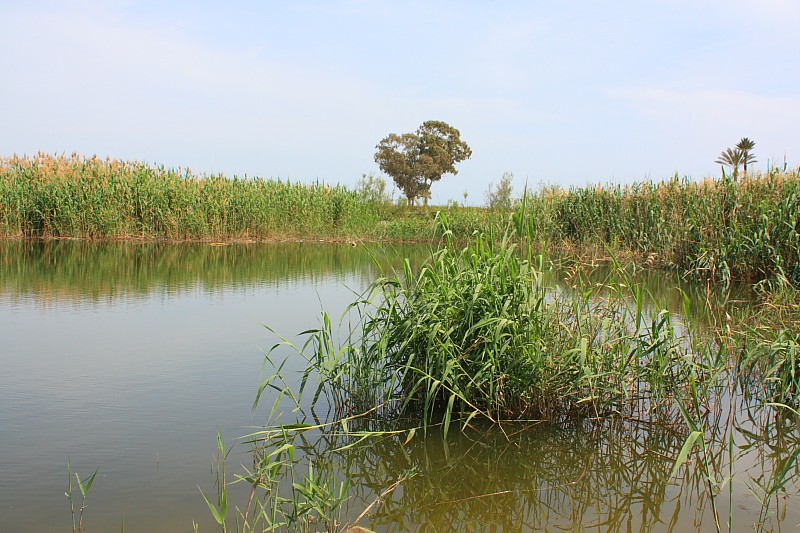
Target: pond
<point x="130" y="357"/>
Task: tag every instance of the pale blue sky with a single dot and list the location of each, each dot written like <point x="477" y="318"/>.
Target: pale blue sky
<point x="558" y="92"/>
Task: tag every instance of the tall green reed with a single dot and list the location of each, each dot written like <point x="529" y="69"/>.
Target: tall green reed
<point x="475" y="332"/>
<point x="78" y="197"/>
<point x="84" y="485"/>
<point x="288" y="491"/>
<point x="716" y="230"/>
<point x="48" y="196"/>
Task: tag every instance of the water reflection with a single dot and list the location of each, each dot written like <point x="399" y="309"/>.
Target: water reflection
<point x="614" y="475"/>
<point x="85" y="271"/>
<point x="100" y="271"/>
<point x="572" y="476"/>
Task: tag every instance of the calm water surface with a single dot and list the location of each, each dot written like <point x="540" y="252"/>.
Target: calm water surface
<point x="130" y="357"/>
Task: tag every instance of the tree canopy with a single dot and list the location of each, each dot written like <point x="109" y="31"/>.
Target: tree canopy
<point x="416" y="160"/>
<point x="740" y="156"/>
<point x="745" y="145"/>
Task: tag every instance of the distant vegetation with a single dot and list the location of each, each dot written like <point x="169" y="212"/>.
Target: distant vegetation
<point x="500" y="196"/>
<point x="721" y="230"/>
<point x="718" y="230"/>
<point x="46" y="196"/>
<point x="90" y="198"/>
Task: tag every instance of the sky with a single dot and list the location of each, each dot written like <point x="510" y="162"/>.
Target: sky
<point x="556" y="92"/>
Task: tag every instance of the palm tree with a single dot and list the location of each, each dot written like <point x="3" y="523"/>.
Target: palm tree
<point x="731" y="158"/>
<point x="745" y="145"/>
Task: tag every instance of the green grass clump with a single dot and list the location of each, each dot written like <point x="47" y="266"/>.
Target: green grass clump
<point x="475" y="332"/>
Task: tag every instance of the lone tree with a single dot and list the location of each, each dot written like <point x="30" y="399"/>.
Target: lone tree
<point x="416" y="160"/>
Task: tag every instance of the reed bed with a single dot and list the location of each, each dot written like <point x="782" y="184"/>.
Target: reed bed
<point x="718" y="230"/>
<point x="47" y="196"/>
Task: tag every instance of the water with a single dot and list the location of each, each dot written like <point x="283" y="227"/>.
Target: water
<point x="130" y="357"/>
